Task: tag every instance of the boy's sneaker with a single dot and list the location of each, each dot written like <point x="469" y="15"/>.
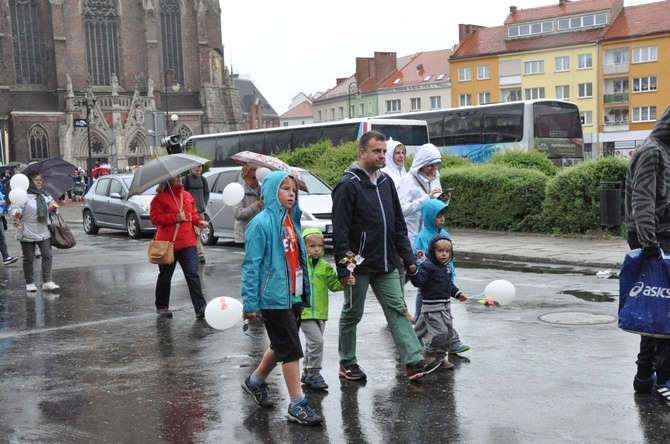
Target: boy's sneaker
<point x="422" y="368"/>
<point x="447" y="365"/>
<point x="31" y="288"/>
<point x="314" y="381"/>
<point x="10" y="260"/>
<point x="644" y="385"/>
<point x="352" y="372"/>
<point x="303" y="414"/>
<point x="50" y="286"/>
<point x="460" y="348"/>
<point x="663" y="391"/>
<point x="259" y="392"/>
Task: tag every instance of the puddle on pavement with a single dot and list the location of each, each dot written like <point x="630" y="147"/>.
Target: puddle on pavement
<point x="591" y="296"/>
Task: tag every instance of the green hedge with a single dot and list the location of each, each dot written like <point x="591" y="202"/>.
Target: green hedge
<point x="492" y="196"/>
<point x="516" y="191"/>
<point x="572" y="203"/>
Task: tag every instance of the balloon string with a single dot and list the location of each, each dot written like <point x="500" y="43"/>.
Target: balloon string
<point x="217" y="213"/>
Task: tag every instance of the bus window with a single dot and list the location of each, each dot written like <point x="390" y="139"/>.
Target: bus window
<point x="504" y="124"/>
<point x="341" y="134"/>
<point x="406" y="134"/>
<point x="281" y="140"/>
<point x="256" y="143"/>
<point x="464" y="128"/>
<point x="556" y="120"/>
<point x="226" y="147"/>
<point x="308" y="137"/>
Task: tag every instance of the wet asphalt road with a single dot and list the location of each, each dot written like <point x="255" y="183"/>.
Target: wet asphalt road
<point x="93" y="363"/>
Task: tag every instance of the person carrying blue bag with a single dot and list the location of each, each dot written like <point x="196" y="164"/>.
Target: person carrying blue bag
<point x="644" y="305"/>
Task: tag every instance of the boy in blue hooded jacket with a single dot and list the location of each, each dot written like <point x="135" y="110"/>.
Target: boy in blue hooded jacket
<point x="434" y="279"/>
<point x="433" y="214"/>
<point x="274" y="283"/>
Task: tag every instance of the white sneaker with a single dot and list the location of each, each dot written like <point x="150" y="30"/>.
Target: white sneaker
<point x="50" y="286"/>
<point x="31" y="288"/>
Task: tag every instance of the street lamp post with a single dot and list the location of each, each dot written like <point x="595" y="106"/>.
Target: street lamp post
<point x="89" y="103"/>
<point x="169" y="82"/>
<point x="353" y="88"/>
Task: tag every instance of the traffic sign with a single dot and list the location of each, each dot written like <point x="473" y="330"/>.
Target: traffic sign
<point x="80" y="123"/>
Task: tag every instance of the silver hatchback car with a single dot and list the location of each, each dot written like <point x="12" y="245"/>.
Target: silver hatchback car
<point x="106" y="205"/>
<point x="316" y="205"/>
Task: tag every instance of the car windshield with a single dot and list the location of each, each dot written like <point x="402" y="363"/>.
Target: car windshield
<point x="150" y="192"/>
<point x="314" y="184"/>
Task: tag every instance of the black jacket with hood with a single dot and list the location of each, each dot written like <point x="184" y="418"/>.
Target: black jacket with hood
<point x="368" y="220"/>
<point x="434" y="279"/>
<point x="648" y="189"/>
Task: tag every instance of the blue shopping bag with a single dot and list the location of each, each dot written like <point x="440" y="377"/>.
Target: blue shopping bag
<point x="644" y="295"/>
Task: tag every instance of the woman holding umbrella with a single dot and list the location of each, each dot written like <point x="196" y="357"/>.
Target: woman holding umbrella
<point x="31" y="220"/>
<point x="172" y="209"/>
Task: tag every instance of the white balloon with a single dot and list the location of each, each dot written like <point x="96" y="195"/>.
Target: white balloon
<point x="20" y="181"/>
<point x="233" y="194"/>
<point x="501" y="291"/>
<point x="223" y="312"/>
<point x="261" y="173"/>
<point x="18" y="196"/>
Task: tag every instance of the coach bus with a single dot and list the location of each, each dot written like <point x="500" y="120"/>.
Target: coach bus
<point x="220" y="146"/>
<point x="476" y="132"/>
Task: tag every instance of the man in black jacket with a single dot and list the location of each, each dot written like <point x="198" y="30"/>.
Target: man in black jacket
<point x="368" y="229"/>
<point x="197" y="185"/>
<point x="648" y="225"/>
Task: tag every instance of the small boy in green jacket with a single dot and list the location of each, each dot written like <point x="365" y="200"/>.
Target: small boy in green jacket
<point x="322" y="277"/>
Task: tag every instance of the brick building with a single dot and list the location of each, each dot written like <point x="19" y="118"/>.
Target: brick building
<point x="129" y="63"/>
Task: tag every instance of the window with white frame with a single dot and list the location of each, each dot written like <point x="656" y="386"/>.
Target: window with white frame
<point x="585" y="21"/>
<point x="415" y="104"/>
<point x="484" y="98"/>
<point x="585" y="90"/>
<point x="644" y="114"/>
<point x="464" y="74"/>
<point x="616" y="56"/>
<point x="318" y="116"/>
<point x="361" y="106"/>
<point x="533" y="93"/>
<point x="393" y="106"/>
<point x="645" y="54"/>
<point x="584" y="61"/>
<point x="533" y="67"/>
<point x="483" y="72"/>
<point x="465" y="99"/>
<point x="332" y="114"/>
<point x="563" y="92"/>
<point x="436" y="102"/>
<point x="586" y="117"/>
<point x="644" y="84"/>
<point x="340" y="111"/>
<point x="534" y="28"/>
<point x="562" y="63"/>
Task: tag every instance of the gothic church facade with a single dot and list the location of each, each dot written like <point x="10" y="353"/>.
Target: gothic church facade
<point x="105" y="80"/>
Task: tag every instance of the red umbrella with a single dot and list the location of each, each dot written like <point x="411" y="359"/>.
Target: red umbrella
<point x="269" y="162"/>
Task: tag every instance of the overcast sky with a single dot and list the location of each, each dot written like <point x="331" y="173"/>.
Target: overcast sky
<point x="287" y="48"/>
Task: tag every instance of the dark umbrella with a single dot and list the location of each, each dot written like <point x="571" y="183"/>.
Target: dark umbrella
<point x="162" y="169"/>
<point x="55" y="172"/>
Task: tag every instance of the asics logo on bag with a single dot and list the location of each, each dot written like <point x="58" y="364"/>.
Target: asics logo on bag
<point x="640" y="288"/>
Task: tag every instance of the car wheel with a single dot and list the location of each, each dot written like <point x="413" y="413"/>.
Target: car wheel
<point x="89" y="224"/>
<point x="133" y="226"/>
<point x="207" y="234"/>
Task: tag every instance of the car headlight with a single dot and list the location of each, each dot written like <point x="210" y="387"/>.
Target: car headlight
<point x="145" y="208"/>
<point x="306" y="216"/>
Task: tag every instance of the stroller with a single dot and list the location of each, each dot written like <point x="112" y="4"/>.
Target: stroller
<point x="78" y="190"/>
